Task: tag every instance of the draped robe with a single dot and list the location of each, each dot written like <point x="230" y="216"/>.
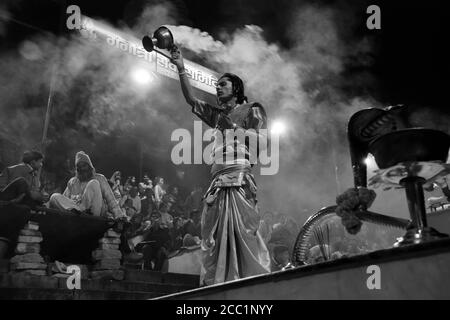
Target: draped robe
<point x="231" y="244"/>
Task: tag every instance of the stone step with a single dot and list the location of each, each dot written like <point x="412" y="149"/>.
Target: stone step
<point x="26" y="281"/>
<point x="133" y="275"/>
<point x="16" y="280"/>
<point x="65" y="294"/>
<point x="111" y="285"/>
<point x="143" y="276"/>
<point x="182" y="279"/>
<point x="160" y="277"/>
<point x="45" y="282"/>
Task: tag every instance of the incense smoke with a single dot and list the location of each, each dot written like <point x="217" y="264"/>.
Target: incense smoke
<point x="96" y="106"/>
<point x="301" y="86"/>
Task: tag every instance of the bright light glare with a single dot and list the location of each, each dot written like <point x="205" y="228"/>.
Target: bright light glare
<point x="370" y="163"/>
<point x="278" y="127"/>
<point x="141" y="76"/>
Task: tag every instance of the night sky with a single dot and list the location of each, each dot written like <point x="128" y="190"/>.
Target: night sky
<point x="410" y="58"/>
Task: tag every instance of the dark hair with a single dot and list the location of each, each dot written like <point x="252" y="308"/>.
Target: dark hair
<point x="128" y="181"/>
<point x="176" y="219"/>
<point x="238" y="87"/>
<point x="155" y="214"/>
<point x="29" y="156"/>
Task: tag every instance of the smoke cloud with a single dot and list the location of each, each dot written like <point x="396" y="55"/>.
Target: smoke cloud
<point x="98" y="108"/>
<point x="301" y="87"/>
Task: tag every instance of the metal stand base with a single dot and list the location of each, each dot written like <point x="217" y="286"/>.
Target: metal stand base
<point x="416" y="236"/>
<point x="419" y="231"/>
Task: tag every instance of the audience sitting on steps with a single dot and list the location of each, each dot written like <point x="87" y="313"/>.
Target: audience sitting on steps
<point x="158" y="222"/>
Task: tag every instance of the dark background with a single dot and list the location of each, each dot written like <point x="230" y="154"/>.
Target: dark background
<point x="411" y="56"/>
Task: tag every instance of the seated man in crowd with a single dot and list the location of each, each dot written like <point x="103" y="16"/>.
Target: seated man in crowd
<point x="177" y="233"/>
<point x="173" y="198"/>
<point x="146" y="184"/>
<point x="147" y="203"/>
<point x="88" y="191"/>
<point x="194" y="200"/>
<point x="193" y="224"/>
<point x="166" y="217"/>
<point x="158" y="245"/>
<point x="130" y="210"/>
<point x="134" y="197"/>
<point x="135" y="233"/>
<point x="20" y="183"/>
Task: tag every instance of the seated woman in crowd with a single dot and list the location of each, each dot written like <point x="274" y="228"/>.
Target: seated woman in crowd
<point x="129" y="183"/>
<point x="159" y="191"/>
<point x="116" y="186"/>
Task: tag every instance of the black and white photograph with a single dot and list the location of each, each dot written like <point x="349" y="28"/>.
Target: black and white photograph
<point x="224" y="155"/>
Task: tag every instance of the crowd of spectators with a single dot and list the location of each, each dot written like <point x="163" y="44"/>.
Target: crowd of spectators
<point x="161" y="221"/>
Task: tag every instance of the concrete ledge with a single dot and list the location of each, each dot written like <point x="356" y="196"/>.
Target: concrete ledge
<point x="412" y="272"/>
